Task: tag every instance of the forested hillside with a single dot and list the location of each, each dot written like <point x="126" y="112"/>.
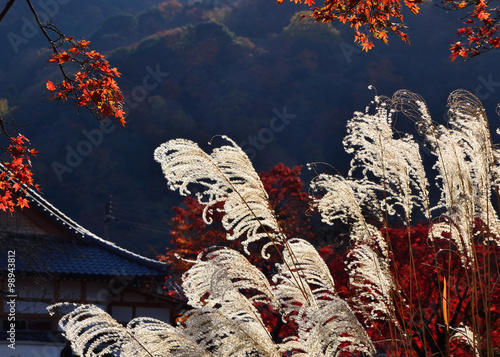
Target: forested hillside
<point x="248" y="69"/>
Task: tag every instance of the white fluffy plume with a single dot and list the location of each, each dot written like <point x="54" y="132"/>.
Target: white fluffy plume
<point x="226" y="175"/>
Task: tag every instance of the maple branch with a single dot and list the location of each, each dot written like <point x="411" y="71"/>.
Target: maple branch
<point x="40" y="25"/>
<point x="7" y="131"/>
<point x="6" y="9"/>
<point x="44" y="31"/>
<point x="3" y="129"/>
<point x="56" y="43"/>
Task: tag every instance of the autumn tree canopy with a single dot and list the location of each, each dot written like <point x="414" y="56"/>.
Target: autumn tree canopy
<point x="375" y="19"/>
<point x="441" y="285"/>
<point x="92" y="86"/>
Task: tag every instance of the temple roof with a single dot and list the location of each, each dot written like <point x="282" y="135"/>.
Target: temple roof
<point x="57" y="244"/>
<point x="82" y="256"/>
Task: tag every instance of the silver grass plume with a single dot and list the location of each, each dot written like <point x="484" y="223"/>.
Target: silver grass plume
<point x="225" y="320"/>
<point x="464" y="334"/>
<point x="229" y="325"/>
<point x="307" y="294"/>
<point x="390" y="162"/>
<point x="455" y="181"/>
<point x="371" y="278"/>
<point x="368" y="262"/>
<point x="466" y="163"/>
<point x="162" y="339"/>
<point x="392" y="173"/>
<point x="332" y="328"/>
<point x="225" y="269"/>
<point x="303" y="278"/>
<point x="373" y="282"/>
<point x="463" y="242"/>
<point x="226" y="175"/>
<point x="338" y="198"/>
<point x="329" y="330"/>
<point x="94" y="333"/>
<point x="467" y="116"/>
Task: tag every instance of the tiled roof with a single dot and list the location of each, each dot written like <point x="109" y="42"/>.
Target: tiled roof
<point x="57" y="255"/>
<point x="72" y="226"/>
<point x="84" y="253"/>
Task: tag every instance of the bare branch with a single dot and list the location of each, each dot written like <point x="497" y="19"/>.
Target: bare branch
<point x="6" y="9"/>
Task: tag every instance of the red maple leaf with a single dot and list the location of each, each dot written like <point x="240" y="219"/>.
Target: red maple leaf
<point x="50" y="86"/>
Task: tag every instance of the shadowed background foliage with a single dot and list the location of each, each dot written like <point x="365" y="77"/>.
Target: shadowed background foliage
<point x="282" y="89"/>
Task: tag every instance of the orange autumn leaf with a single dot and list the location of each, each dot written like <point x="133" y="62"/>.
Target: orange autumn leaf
<point x="445" y="304"/>
<point x="83" y="43"/>
<point x="366" y="46"/>
<point x="22" y="202"/>
<point x="16" y="176"/>
<point x="376" y="18"/>
<point x="93" y="86"/>
<point x="50" y="86"/>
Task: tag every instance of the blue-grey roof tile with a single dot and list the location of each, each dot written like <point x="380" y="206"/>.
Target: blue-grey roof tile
<point x="59" y="255"/>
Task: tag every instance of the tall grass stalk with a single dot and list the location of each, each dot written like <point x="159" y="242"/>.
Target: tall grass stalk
<point x="423" y="272"/>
